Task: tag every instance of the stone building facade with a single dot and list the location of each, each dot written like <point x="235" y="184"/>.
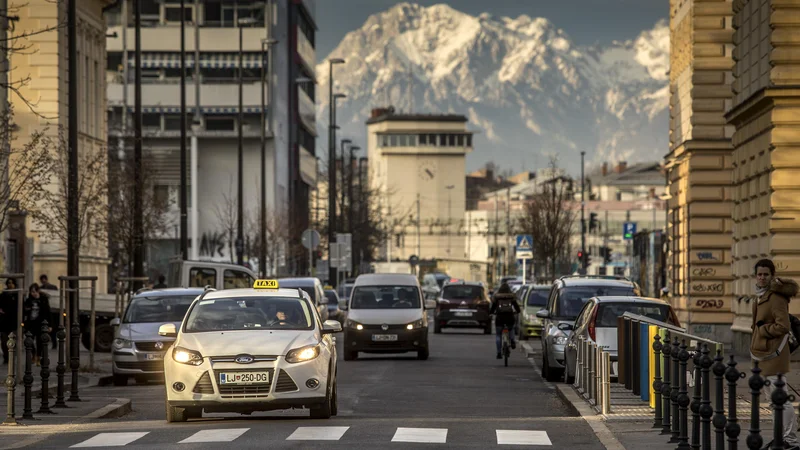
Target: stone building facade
<point x="699" y="166"/>
<point x="766" y="158"/>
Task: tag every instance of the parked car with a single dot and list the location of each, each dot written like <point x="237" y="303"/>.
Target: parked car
<point x="464" y="305"/>
<point x="597" y="322"/>
<point x="313" y="288"/>
<point x="567" y="297"/>
<point x="432" y="284"/>
<point x="334" y="313"/>
<point x="532" y="300"/>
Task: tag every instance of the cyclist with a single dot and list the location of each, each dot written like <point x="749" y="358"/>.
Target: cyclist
<point x="504" y="308"/>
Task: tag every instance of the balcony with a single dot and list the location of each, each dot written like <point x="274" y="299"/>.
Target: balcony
<point x="307" y="111"/>
<point x="308" y="167"/>
<point x="167" y="38"/>
<point x="306" y="51"/>
<point x="169" y="95"/>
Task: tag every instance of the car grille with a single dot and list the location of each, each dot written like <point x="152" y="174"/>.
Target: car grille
<point x="151" y="346"/>
<point x="146" y="366"/>
<point x="232" y="358"/>
<point x="285" y="383"/>
<point x="204" y="385"/>
<point x="391" y="328"/>
<point x="246" y="391"/>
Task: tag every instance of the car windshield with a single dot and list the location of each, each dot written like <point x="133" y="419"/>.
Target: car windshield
<point x="608" y="313"/>
<point x="345" y="290"/>
<point x="248" y="313"/>
<point x="572" y="298"/>
<point x="147" y="309"/>
<point x="331" y="296"/>
<point x="385" y="297"/>
<point x="537" y="297"/>
<point x="464" y="292"/>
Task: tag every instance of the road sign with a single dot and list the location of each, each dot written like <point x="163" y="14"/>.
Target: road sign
<point x="335" y="258"/>
<point x="524" y="246"/>
<point x="346" y="240"/>
<point x="628" y="230"/>
<point x="310" y="239"/>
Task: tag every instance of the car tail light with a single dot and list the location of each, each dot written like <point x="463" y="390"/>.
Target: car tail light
<point x="592" y="321"/>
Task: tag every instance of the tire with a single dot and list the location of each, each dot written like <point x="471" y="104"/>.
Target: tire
<point x="103" y="338"/>
<point x="422" y="355"/>
<point x="437" y="329"/>
<point x="120" y="380"/>
<point x="175" y="414"/>
<point x="350" y="356"/>
<point x="567" y="379"/>
<point x="548" y="373"/>
<point x="325" y="410"/>
<point x="335" y="401"/>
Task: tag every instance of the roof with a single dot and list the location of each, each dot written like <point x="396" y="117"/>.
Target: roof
<point x="166" y="292"/>
<point x="464" y="283"/>
<point x="391" y="117"/>
<point x="299" y="281"/>
<point x="646" y="173"/>
<point x="387" y="279"/>
<point x="250" y="292"/>
<point x="537" y="287"/>
<point x="622" y="299"/>
<point x="577" y="281"/>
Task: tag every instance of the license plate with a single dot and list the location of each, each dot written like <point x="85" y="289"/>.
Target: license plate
<point x="384" y="337"/>
<point x="155" y="356"/>
<point x="244" y="378"/>
<point x="463" y="313"/>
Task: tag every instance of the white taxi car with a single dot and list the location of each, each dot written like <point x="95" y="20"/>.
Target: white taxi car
<point x="247" y="350"/>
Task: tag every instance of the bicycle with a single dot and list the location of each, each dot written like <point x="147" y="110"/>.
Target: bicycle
<point x="506" y="344"/>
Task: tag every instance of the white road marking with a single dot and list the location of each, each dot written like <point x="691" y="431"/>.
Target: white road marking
<point x="317" y="434"/>
<point x="421" y="435"/>
<point x="522" y="437"/>
<point x="220" y="435"/>
<point x="110" y="440"/>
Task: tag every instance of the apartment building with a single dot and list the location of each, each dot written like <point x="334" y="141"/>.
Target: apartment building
<point x="289" y="96"/>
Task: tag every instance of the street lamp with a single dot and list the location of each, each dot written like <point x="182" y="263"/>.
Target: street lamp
<point x="262" y="254"/>
<point x="584" y="259"/>
<point x="331" y="169"/>
<point x="342" y="170"/>
<point x="449" y="215"/>
<point x="353" y="148"/>
<point x="240" y="184"/>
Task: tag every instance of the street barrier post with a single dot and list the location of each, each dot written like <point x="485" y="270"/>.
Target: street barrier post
<point x="683" y="398"/>
<point x="11" y="380"/>
<point x="706" y="411"/>
<point x="607" y="384"/>
<point x="74" y="360"/>
<point x="732" y="429"/>
<point x="666" y="389"/>
<point x="45" y="372"/>
<point x="579" y="365"/>
<point x="61" y="367"/>
<point x="27" y="379"/>
<point x="756" y="383"/>
<point x="719" y="402"/>
<point x="673" y="396"/>
<point x="696" y="398"/>
<point x="657" y="346"/>
<point x="598" y="383"/>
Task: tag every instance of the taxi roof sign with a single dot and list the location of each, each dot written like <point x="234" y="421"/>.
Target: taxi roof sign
<point x="265" y="284"/>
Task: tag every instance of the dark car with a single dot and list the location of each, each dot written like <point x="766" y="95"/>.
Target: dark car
<point x="334" y="313"/>
<point x="463" y="305"/>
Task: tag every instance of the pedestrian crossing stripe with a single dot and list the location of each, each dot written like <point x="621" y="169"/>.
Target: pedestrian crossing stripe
<point x="327" y="433"/>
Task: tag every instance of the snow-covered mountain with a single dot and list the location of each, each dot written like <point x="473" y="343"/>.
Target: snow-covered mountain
<point x="525" y="87"/>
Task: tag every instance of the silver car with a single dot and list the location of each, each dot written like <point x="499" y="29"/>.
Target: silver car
<point x="567" y="297"/>
<point x="597" y="322"/>
<point x="138" y="350"/>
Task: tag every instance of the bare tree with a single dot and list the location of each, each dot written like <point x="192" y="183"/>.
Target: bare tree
<point x="91" y="190"/>
<point x="227" y="214"/>
<point x="549" y="218"/>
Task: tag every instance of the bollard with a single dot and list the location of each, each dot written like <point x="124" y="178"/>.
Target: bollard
<point x="683" y="398"/>
<point x="61" y="368"/>
<point x="598" y="385"/>
<point x="27" y="379"/>
<point x="666" y="426"/>
<point x="607" y="384"/>
<point x="11" y="380"/>
<point x="593" y="362"/>
<point x="578" y="362"/>
<point x="74" y="359"/>
<point x="756" y="383"/>
<point x="696" y="398"/>
<point x="673" y="396"/>
<point x="719" y="408"/>
<point x="657" y="380"/>
<point x="579" y="374"/>
<point x="590" y="374"/>
<point x="732" y="429"/>
<point x="706" y="411"/>
<point x="45" y="372"/>
<point x="779" y="399"/>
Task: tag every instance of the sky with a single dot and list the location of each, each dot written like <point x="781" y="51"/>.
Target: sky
<point x="585" y="21"/>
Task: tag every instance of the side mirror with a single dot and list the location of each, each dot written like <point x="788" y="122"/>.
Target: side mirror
<point x="343" y="305"/>
<point x="430" y="304"/>
<point x="115" y="322"/>
<point x="331" y="326"/>
<point x="167" y="330"/>
<point x="565" y="327"/>
<point x="543" y="314"/>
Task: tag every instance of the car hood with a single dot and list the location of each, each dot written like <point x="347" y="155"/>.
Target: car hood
<point x="144" y="331"/>
<point x="387" y="316"/>
<point x="231" y="343"/>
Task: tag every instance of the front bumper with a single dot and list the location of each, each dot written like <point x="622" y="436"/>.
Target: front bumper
<point x="406" y="341"/>
<point x="531" y="328"/>
<point x="286" y="387"/>
<point x="555" y="356"/>
<point x="141" y="359"/>
<point x="462" y="318"/>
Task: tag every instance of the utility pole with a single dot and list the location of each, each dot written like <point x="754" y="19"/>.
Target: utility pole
<point x="584" y="258"/>
<point x="138" y="225"/>
<point x="240" y="186"/>
<point x="468" y="251"/>
<point x="419" y="229"/>
<point x="340" y="169"/>
<point x="496" y="223"/>
<point x="183" y="196"/>
<point x="449" y="217"/>
<point x="508" y="232"/>
<point x="389" y="239"/>
<point x="331" y="170"/>
<point x="195" y="225"/>
<point x="5" y="145"/>
<point x="605" y="238"/>
<point x="350" y="212"/>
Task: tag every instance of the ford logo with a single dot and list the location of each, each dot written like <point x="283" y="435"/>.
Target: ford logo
<point x="244" y="359"/>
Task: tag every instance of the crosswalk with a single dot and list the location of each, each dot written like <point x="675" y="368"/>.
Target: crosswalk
<point x="326" y="433"/>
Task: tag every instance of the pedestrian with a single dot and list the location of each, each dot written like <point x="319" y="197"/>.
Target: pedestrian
<point x="162" y="282"/>
<point x="505" y="308"/>
<point x="45" y="285"/>
<point x="8" y="315"/>
<point x="36" y="309"/>
<point x="769" y="343"/>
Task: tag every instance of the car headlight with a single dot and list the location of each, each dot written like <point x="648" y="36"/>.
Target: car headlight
<point x="416" y="324"/>
<point x="303" y="354"/>
<point x="185" y="356"/>
<point x="120" y="343"/>
<point x="560" y="340"/>
<point x="354" y="325"/>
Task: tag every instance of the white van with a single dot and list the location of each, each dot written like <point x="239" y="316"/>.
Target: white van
<point x="386" y="314"/>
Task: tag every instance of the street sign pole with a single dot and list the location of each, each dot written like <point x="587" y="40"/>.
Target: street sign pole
<point x="523" y="271"/>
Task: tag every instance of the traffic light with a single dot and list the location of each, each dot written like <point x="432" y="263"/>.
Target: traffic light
<point x="592" y="222"/>
<point x="605" y="252"/>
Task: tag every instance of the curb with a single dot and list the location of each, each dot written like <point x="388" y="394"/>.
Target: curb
<point x="606" y="437"/>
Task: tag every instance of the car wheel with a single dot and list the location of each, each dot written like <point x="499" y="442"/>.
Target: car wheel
<point x="548" y="372"/>
<point x="437" y="329"/>
<point x="423" y="354"/>
<point x="335" y="401"/>
<point x="175" y="414"/>
<point x="325" y="410"/>
<point x="350" y="356"/>
<point x="120" y="380"/>
<point x="567" y="379"/>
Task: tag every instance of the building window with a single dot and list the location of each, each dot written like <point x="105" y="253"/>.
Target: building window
<point x="460" y="140"/>
<point x="469" y="140"/>
<point x="306" y="28"/>
<point x="227" y="13"/>
<point x="220" y="123"/>
<point x="172" y="13"/>
<point x="150" y="7"/>
<point x="161" y="194"/>
<point x="307" y="140"/>
<point x="173" y="121"/>
<point x="151" y="120"/>
<point x="451" y="140"/>
<point x="442" y="140"/>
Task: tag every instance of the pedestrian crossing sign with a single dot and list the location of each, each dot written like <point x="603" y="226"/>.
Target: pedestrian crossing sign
<point x="524" y="246"/>
<point x="265" y="284"/>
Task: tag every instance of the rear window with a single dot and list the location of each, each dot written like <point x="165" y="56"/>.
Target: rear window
<point x="441" y="279"/>
<point x="571" y="298"/>
<point x="538" y="297"/>
<point x="462" y="292"/>
<point x="608" y="313"/>
<point x="331" y="296"/>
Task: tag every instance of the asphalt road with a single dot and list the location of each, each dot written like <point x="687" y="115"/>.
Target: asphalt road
<point x="462" y="397"/>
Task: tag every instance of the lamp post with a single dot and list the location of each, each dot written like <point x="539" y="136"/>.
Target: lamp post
<point x="353" y="148"/>
<point x="183" y="197"/>
<point x="342" y="223"/>
<point x="449" y="215"/>
<point x="584" y="258"/>
<point x="363" y="210"/>
<point x="240" y="182"/>
<point x="331" y="169"/>
<point x="266" y="45"/>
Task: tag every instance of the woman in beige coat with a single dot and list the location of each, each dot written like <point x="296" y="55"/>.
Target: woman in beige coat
<point x="769" y="344"/>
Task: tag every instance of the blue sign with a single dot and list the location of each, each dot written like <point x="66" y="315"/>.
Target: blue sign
<point x="524" y="246"/>
<point x="628" y="230"/>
